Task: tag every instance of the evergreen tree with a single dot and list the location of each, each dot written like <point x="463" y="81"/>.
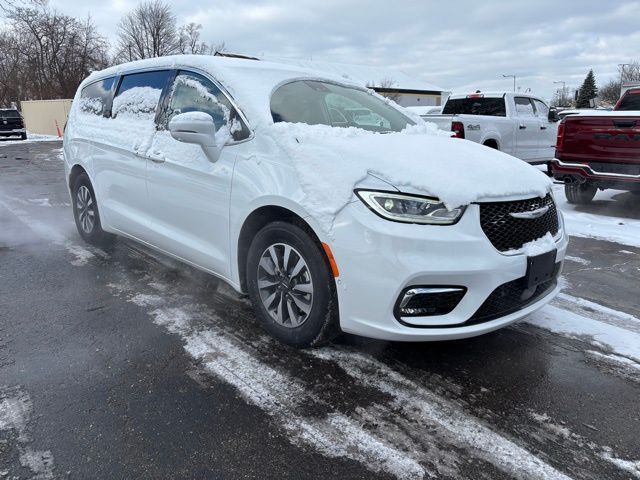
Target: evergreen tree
<point x="588" y="91"/>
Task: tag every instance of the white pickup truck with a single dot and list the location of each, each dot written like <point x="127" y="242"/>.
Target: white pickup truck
<point x="519" y="124"/>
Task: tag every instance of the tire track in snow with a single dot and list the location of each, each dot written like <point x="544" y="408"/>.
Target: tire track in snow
<point x="429" y="410"/>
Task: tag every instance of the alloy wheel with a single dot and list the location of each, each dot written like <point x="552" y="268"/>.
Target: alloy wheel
<point x="285" y="285"/>
<point x="85" y="209"/>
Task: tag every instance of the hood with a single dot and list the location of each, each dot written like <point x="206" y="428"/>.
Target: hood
<point x="331" y="162"/>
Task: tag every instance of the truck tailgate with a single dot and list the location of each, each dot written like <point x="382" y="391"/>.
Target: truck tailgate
<point x="442" y="121"/>
<point x="601" y="138"/>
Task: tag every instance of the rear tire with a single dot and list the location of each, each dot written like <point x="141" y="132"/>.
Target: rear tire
<point x="291" y="286"/>
<point x="580" y="193"/>
<point x="86" y="214"/>
<point x="23" y="136"/>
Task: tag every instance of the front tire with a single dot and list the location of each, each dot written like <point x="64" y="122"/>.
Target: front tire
<point x="580" y="193"/>
<point x="291" y="286"/>
<point x="86" y="214"/>
<point x="23" y="136"/>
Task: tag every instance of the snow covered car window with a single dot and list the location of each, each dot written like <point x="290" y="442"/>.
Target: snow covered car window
<point x="194" y="93"/>
<point x="95" y="97"/>
<point x="324" y="103"/>
<point x="139" y="94"/>
<point x="524" y="107"/>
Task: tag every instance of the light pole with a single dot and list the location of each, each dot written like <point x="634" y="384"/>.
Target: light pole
<point x="621" y="67"/>
<point x="514" y="80"/>
<point x="564" y="94"/>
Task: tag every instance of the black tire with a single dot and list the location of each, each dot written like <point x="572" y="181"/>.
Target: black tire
<point x="91" y="232"/>
<point x="321" y="323"/>
<point x="23" y="136"/>
<point x="580" y="193"/>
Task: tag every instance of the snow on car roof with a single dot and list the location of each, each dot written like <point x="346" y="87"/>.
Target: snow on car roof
<point x="249" y="82"/>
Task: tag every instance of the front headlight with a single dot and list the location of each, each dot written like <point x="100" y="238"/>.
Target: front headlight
<point x="406" y="208"/>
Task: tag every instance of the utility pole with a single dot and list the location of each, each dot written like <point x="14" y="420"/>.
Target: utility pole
<point x="621" y="67"/>
<point x="514" y="80"/>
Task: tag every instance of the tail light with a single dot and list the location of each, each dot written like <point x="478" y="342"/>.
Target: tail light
<point x="560" y="140"/>
<point x="458" y="129"/>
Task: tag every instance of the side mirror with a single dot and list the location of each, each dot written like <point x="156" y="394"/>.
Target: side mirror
<point x="197" y="128"/>
<point x="553" y="115"/>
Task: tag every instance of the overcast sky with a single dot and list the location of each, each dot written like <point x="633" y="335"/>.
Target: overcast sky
<point x="458" y="45"/>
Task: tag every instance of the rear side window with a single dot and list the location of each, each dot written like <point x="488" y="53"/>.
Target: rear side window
<point x="96" y="97"/>
<point x="192" y="92"/>
<point x="139" y="93"/>
<point x="524" y="107"/>
<point x="493" y="107"/>
<point x="630" y="102"/>
<point x="9" y="114"/>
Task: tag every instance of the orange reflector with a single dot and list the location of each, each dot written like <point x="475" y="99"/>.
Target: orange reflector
<point x="332" y="261"/>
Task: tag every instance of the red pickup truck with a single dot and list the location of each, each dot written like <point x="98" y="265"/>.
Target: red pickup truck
<point x="600" y="150"/>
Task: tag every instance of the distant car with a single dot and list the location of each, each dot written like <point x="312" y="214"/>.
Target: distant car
<point x="425" y="111"/>
<point x="519" y="124"/>
<point x="328" y="205"/>
<point x="12" y="124"/>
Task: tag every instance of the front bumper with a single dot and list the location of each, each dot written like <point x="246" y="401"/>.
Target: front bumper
<point x="12" y="132"/>
<point x="379" y="259"/>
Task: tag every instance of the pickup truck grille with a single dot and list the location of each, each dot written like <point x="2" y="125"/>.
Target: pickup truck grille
<point x="507" y="232"/>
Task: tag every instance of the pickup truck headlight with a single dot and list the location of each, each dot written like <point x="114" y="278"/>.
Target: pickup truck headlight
<point x="400" y="207"/>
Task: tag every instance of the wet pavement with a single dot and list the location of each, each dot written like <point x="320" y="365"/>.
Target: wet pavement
<point x="123" y="363"/>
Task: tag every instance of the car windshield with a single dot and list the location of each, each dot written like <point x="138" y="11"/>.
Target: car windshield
<point x="9" y="114"/>
<point x="630" y="102"/>
<point x="324" y="103"/>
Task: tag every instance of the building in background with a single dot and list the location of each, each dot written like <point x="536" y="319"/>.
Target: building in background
<point x="45" y="117"/>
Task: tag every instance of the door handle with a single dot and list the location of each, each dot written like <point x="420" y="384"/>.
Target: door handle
<point x="523" y="127"/>
<point x="542" y="127"/>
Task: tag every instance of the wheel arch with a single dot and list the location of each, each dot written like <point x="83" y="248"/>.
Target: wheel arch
<point x="491" y="143"/>
<point x="74" y="173"/>
<point x="258" y="219"/>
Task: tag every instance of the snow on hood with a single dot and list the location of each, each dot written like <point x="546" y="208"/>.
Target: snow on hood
<point x="330" y="162"/>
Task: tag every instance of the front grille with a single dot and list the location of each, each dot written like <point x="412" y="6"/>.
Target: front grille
<point x="508" y="233"/>
<point x="511" y="297"/>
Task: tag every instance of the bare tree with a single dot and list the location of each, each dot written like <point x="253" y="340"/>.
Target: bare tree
<point x="629" y="72"/>
<point x="562" y="98"/>
<point x="385" y="87"/>
<point x="44" y="54"/>
<point x="148" y="31"/>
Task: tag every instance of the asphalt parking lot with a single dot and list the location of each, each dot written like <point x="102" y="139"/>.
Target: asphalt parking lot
<point x="122" y="363"/>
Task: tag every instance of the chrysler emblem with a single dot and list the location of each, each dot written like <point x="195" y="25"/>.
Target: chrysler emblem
<point x="533" y="214"/>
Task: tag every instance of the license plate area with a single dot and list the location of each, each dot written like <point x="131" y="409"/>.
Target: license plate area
<point x="540" y="269"/>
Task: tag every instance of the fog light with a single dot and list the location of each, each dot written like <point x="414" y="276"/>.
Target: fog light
<point x="428" y="301"/>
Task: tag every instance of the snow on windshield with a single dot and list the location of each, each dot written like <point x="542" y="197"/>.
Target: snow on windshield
<point x="330" y="162"/>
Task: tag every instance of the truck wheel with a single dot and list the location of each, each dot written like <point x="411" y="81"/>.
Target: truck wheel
<point x="23" y="136"/>
<point x="291" y="286"/>
<point x="580" y="193"/>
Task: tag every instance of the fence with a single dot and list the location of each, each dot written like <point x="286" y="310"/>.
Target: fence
<point x="46" y="117"/>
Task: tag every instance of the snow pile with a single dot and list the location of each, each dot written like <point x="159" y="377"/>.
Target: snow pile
<point x="330" y="162"/>
<point x="536" y="247"/>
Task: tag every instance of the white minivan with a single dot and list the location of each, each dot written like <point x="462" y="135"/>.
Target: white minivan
<point x="331" y="207"/>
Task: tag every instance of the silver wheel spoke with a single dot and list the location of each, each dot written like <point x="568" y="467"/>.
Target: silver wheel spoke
<point x="298" y="268"/>
<point x="293" y="317"/>
<point x="302" y="304"/>
<point x="265" y="283"/>
<point x="303" y="288"/>
<point x="279" y="309"/>
<point x="285" y="259"/>
<point x="264" y="263"/>
<point x="274" y="257"/>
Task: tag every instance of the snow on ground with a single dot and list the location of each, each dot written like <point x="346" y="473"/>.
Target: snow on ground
<point x="602" y="223"/>
<point x="31" y="137"/>
<point x="621" y="341"/>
